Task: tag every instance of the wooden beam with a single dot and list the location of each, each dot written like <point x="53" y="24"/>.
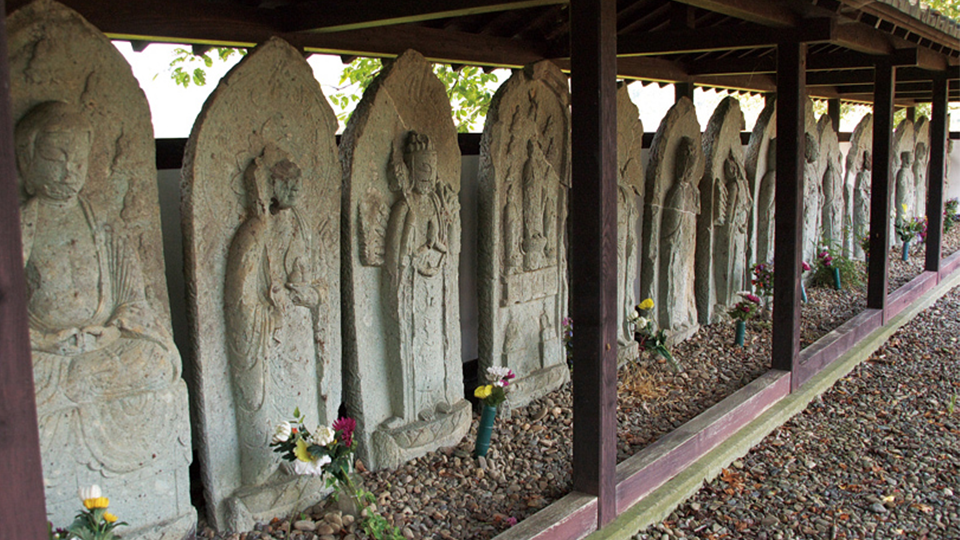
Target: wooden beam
<point x="935" y="173"/>
<point x="791" y="107"/>
<point x="682" y="90"/>
<point x="593" y="252"/>
<point x="833" y="111"/>
<point x="881" y="187"/>
<point x="773" y="14"/>
<point x="22" y="509"/>
<point x="722" y="38"/>
<point x="357" y="14"/>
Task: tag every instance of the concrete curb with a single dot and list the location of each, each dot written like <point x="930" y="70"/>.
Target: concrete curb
<point x="657" y="505"/>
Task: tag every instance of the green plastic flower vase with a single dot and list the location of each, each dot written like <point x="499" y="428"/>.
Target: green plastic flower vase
<point x="803" y="292"/>
<point x="484" y="430"/>
<point x="906" y="251"/>
<point x="836" y="278"/>
<point x="741" y="332"/>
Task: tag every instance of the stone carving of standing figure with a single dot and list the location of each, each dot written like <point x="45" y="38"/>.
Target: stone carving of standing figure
<point x="677" y="239"/>
<point x="417" y="251"/>
<point x="103" y="364"/>
<point x="766" y="207"/>
<point x="732" y="234"/>
<point x="920" y="163"/>
<point x="861" y="203"/>
<point x="627" y="217"/>
<point x="812" y="197"/>
<point x="271" y="302"/>
<point x="832" y="217"/>
<point x="535" y="206"/>
<point x="906" y="187"/>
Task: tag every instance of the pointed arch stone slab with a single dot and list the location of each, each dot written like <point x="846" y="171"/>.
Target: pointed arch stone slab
<point x="112" y="411"/>
<point x="859" y="165"/>
<point x="522" y="210"/>
<point x="921" y="164"/>
<point x="667" y="264"/>
<point x="725" y="203"/>
<point x="629" y="220"/>
<point x="762" y="175"/>
<point x="905" y="186"/>
<point x="831" y="186"/>
<point x="403" y="379"/>
<point x="263" y="279"/>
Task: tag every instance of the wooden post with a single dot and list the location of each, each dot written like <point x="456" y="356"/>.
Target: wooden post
<point x="935" y="176"/>
<point x="681" y="89"/>
<point x="22" y="507"/>
<point x="593" y="250"/>
<point x="881" y="185"/>
<point x="833" y="111"/>
<point x="791" y="106"/>
<point x="912" y="114"/>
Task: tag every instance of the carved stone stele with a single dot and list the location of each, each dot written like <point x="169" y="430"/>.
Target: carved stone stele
<point x="905" y="186"/>
<point x="831" y="167"/>
<point x="402" y="359"/>
<point x="522" y="211"/>
<point x="629" y="212"/>
<point x="761" y="166"/>
<point x="921" y="164"/>
<point x="261" y="202"/>
<point x="857" y="185"/>
<point x="725" y="203"/>
<point x="111" y="405"/>
<point x="812" y="189"/>
<point x="671" y="206"/>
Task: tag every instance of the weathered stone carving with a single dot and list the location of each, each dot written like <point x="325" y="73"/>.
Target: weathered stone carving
<point x="812" y="196"/>
<point x="671" y="205"/>
<point x="629" y="209"/>
<point x="524" y="177"/>
<point x="725" y="203"/>
<point x="111" y="405"/>
<point x="904" y="145"/>
<point x="831" y="165"/>
<point x="402" y="367"/>
<point x="921" y="162"/>
<point x="861" y="142"/>
<point x="261" y="200"/>
<point x="761" y="167"/>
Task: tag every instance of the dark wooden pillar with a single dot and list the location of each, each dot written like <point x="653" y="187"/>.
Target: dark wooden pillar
<point x="833" y="111"/>
<point x="935" y="173"/>
<point x="23" y="512"/>
<point x="682" y="90"/>
<point x="791" y="104"/>
<point x="912" y="114"/>
<point x="593" y="250"/>
<point x="881" y="186"/>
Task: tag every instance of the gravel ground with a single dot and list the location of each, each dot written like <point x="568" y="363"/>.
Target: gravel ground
<point x="448" y="494"/>
<point x="876" y="456"/>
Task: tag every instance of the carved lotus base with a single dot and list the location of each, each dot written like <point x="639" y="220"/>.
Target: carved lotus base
<point x="394" y="446"/>
<point x="282" y="494"/>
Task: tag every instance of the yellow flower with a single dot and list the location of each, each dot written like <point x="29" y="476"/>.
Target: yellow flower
<point x="96" y="502"/>
<point x="110" y="518"/>
<point x="646" y="304"/>
<point x="483" y="391"/>
<point x="301" y="451"/>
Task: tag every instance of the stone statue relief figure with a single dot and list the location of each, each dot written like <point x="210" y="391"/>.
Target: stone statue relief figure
<point x="422" y="225"/>
<point x="906" y="187"/>
<point x="731" y="249"/>
<point x="628" y="214"/>
<point x="103" y="362"/>
<point x="271" y="302"/>
<point x="766" y="207"/>
<point x="677" y="238"/>
<point x="861" y="202"/>
<point x="812" y="197"/>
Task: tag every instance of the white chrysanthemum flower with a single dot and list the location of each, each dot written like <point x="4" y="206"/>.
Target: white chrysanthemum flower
<point x="90" y="492"/>
<point x="323" y="436"/>
<point x="497" y="373"/>
<point x="636" y="314"/>
<point x="282" y="432"/>
<point x="642" y="322"/>
<point x="311" y="468"/>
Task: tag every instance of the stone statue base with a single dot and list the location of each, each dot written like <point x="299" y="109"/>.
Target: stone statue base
<point x="537" y="384"/>
<point x="395" y="446"/>
<point x="179" y="528"/>
<point x="682" y="334"/>
<point x="285" y="493"/>
<point x="628" y="353"/>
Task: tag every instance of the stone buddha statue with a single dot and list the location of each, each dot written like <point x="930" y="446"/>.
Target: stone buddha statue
<point x="104" y="365"/>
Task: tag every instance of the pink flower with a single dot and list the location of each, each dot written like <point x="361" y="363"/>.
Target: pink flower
<point x="511" y="521"/>
<point x="806" y="267"/>
<point x="753" y="298"/>
<point x="345" y="427"/>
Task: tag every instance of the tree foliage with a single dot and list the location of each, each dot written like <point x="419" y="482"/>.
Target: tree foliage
<point x="950" y="8"/>
<point x="467" y="88"/>
<point x="188" y="68"/>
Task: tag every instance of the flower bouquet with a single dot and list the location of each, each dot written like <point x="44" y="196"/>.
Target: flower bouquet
<point x="744" y="310"/>
<point x="647" y="335"/>
<point x="804" y="267"/>
<point x="491" y="395"/>
<point x="94" y="523"/>
<point x="327" y="450"/>
<point x="825" y="262"/>
<point x="865" y="246"/>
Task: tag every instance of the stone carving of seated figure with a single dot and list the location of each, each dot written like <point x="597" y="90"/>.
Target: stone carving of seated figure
<point x="103" y="364"/>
